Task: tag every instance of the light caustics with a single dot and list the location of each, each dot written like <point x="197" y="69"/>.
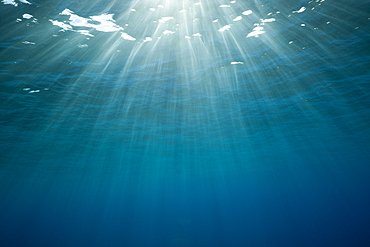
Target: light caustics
<point x="224" y="32"/>
<point x="200" y="29"/>
<point x="196" y="27"/>
<point x="168" y="63"/>
<point x="200" y="44"/>
<point x="169" y="18"/>
<point x="188" y="38"/>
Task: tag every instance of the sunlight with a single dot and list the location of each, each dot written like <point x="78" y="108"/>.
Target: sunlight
<point x="174" y="57"/>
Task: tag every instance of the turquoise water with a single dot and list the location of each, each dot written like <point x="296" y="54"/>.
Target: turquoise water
<point x="184" y="123"/>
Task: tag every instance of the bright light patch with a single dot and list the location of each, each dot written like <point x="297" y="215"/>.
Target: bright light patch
<point x="27" y="16"/>
<point x="103" y="18"/>
<point x="164" y="19"/>
<point x="168" y="32"/>
<point x="105" y="22"/>
<point x="127" y="37"/>
<point x="248" y="12"/>
<point x="300" y="10"/>
<point x="147" y="39"/>
<point x="238" y="18"/>
<point x="85" y="32"/>
<point x="28" y="43"/>
<point x="12" y="2"/>
<point x="268" y="20"/>
<point x="34" y="91"/>
<point x="62" y="25"/>
<point x="66" y="12"/>
<point x="227" y="27"/>
<point x="256" y="32"/>
<point x="79" y="21"/>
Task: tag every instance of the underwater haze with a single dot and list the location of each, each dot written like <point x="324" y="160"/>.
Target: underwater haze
<point x="173" y="123"/>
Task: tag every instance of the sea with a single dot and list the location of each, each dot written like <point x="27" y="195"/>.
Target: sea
<point x="176" y="123"/>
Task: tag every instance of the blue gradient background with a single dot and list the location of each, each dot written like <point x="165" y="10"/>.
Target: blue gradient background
<point x="172" y="145"/>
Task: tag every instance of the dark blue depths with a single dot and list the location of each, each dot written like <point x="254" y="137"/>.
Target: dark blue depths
<point x="132" y="143"/>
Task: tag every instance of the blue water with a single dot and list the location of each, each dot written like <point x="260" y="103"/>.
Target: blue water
<point x="184" y="123"/>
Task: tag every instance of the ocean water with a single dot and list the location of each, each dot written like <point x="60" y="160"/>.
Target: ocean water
<point x="185" y="123"/>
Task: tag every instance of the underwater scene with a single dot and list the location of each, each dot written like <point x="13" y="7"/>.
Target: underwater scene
<point x="175" y="123"/>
